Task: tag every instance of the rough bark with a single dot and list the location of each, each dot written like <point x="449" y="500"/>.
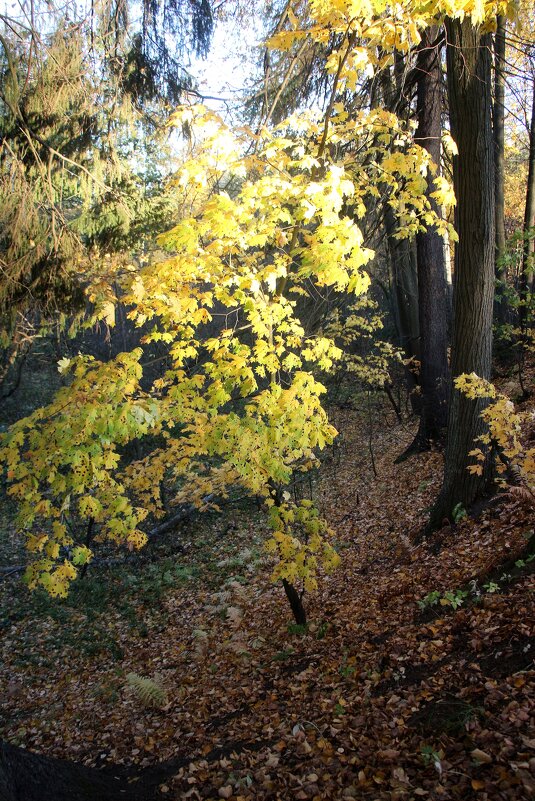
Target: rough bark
<point x="432" y="288"/>
<point x="529" y="222"/>
<point x="401" y="252"/>
<point x="498" y="116"/>
<point x="469" y="79"/>
<point x="404" y="281"/>
<point x="404" y="301"/>
<point x="25" y="776"/>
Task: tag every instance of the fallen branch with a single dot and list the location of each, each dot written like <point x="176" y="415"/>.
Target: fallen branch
<point x="182" y="514"/>
<point x="162" y="528"/>
<point x="11" y="569"/>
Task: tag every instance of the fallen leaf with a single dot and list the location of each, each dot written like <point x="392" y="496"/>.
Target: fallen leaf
<point x="480" y="756"/>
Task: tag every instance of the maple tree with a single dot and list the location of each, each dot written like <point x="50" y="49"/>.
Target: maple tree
<point x="243" y="407"/>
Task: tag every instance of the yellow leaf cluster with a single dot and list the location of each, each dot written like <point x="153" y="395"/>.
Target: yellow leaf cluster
<point x="301" y="542"/>
<point x="62" y="462"/>
<point x="505" y="427"/>
<point x="368" y="31"/>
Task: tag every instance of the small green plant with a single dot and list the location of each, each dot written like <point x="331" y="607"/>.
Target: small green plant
<point x="431" y="599"/>
<point x="430" y="756"/>
<point x="526" y="561"/>
<point x="150" y="692"/>
<point x="323" y="628"/>
<point x="106" y="692"/>
<point x="491" y="587"/>
<point x="346" y="669"/>
<point x="244" y="781"/>
<point x="458" y="513"/>
<point x="454" y="598"/>
<point x="298" y="629"/>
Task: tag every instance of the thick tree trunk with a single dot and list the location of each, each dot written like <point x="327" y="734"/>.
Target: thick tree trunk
<point x="404" y="281"/>
<point x="469" y="77"/>
<point x="25" y="776"/>
<point x="498" y="116"/>
<point x="432" y="288"/>
<point x="404" y="298"/>
<point x="401" y="252"/>
<point x="529" y="221"/>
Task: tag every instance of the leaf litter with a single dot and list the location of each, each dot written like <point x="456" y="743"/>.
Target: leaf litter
<point x="379" y="697"/>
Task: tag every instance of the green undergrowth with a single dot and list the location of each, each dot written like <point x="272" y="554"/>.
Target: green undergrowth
<point x="205" y="553"/>
<point x="499" y="580"/>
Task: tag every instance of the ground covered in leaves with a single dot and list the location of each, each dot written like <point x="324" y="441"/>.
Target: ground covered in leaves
<point x="413" y="679"/>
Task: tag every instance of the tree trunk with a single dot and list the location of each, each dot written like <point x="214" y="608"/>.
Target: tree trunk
<point x="469" y="77"/>
<point x="404" y="298"/>
<point x="404" y="288"/>
<point x="498" y="116"/>
<point x="449" y="281"/>
<point x="25" y="776"/>
<point x="296" y="603"/>
<point x="432" y="288"/>
<point x="401" y="252"/>
<point x="529" y="222"/>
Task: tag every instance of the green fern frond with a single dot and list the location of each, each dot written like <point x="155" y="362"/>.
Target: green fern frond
<point x="149" y="691"/>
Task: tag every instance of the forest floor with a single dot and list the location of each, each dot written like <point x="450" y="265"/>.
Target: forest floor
<point x="413" y="679"/>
